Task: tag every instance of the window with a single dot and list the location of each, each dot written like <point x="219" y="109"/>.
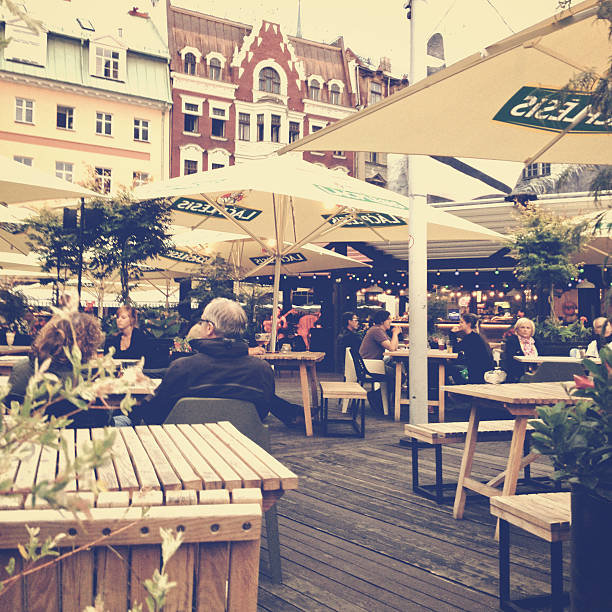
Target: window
<point x="536" y="170"/>
<point x="191" y="120"/>
<point x="215" y="166"/>
<point x="375" y="93"/>
<point x="214" y="69"/>
<point x="141" y="129"/>
<point x="190" y="63"/>
<point x="314" y="90"/>
<point x="294" y="131"/>
<point x="103" y="179"/>
<point x="64" y="170"/>
<point x="65" y="117"/>
<point x="269" y="80"/>
<point x="275" y="128"/>
<point x="104" y="124"/>
<point x="190" y="166"/>
<point x="373" y="157"/>
<point x="107" y="63"/>
<point x="338" y="153"/>
<point x="139" y="178"/>
<point x="334" y="94"/>
<point x="315" y="128"/>
<point x="260" y="128"/>
<point x="26" y="161"/>
<point x="24" y="110"/>
<point x="244" y="126"/>
<point x="218" y="128"/>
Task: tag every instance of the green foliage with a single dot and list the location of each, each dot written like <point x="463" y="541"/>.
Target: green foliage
<point x="14" y="310"/>
<point x="437" y="308"/>
<point x="553" y="330"/>
<point x="578" y="438"/>
<point x="543" y="246"/>
<point x="213" y="281"/>
<point x="160" y="322"/>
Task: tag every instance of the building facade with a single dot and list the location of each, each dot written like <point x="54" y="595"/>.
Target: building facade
<point x="87" y="96"/>
<point x="241" y="92"/>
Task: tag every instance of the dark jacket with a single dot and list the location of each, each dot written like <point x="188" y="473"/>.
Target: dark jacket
<point x="515" y="369"/>
<point x="347" y="338"/>
<point x="474" y="353"/>
<point x="221" y="367"/>
<point x="140" y="345"/>
<point x="18" y="383"/>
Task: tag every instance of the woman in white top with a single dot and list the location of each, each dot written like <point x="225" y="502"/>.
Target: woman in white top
<point x="605" y="338"/>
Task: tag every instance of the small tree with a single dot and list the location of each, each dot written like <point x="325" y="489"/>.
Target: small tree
<point x="214" y="280"/>
<point x="543" y="246"/>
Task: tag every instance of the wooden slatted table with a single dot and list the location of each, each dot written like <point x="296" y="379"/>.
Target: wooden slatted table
<point x="160" y="465"/>
<point x="521" y="401"/>
<point x="5" y="349"/>
<point x="7" y="363"/>
<point x="437" y="356"/>
<point x="306" y="363"/>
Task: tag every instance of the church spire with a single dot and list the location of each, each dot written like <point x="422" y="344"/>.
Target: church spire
<point x="298" y="32"/>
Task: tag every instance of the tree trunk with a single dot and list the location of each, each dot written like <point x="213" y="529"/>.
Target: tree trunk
<point x="125" y="295"/>
<point x="551" y="301"/>
<point x="591" y="543"/>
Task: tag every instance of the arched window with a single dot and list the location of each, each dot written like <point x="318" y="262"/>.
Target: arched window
<point x="269" y="81"/>
<point x="314" y="90"/>
<point x="190" y="63"/>
<point x="334" y="94"/>
<point x="214" y="69"/>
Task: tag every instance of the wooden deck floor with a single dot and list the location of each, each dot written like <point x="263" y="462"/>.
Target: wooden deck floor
<point x="355" y="537"/>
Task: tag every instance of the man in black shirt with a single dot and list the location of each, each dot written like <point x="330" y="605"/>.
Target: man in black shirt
<point x="348" y="337"/>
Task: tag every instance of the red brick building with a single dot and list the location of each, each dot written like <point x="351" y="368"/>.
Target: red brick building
<point x="241" y="92"/>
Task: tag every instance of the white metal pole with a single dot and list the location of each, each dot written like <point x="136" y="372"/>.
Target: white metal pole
<point x="417" y="255"/>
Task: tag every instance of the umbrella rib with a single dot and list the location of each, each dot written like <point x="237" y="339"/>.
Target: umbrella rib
<point x="565" y="60"/>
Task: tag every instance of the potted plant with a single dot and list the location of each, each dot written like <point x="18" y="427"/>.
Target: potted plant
<point x="558" y="338"/>
<point x="14" y="313"/>
<point x="163" y="325"/>
<point x="578" y="439"/>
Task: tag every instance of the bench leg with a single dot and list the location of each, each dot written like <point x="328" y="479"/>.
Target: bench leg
<point x="273" y="544"/>
<point x="439" y="484"/>
<point x="415" y="464"/>
<point x="556" y="577"/>
<point x="504" y="564"/>
<point x="361" y="404"/>
<point x="526" y="451"/>
<point x="466" y="462"/>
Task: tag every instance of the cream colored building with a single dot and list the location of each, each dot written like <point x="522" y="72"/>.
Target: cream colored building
<point x="86" y="95"/>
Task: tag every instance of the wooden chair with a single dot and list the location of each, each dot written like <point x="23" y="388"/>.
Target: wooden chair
<point x="364" y="370"/>
<point x="547" y="516"/>
<point x="244" y="417"/>
<point x="215" y="569"/>
<point x="552" y="372"/>
<point x="355" y="394"/>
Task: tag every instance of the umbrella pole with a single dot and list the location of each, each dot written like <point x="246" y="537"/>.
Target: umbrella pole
<point x="277" y="269"/>
<point x="279" y="219"/>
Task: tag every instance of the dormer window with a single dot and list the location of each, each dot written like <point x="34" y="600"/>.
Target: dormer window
<point x="334" y="94"/>
<point x="314" y="90"/>
<point x="107" y="63"/>
<point x="214" y="69"/>
<point x="107" y="59"/>
<point x="269" y="81"/>
<point x="190" y="63"/>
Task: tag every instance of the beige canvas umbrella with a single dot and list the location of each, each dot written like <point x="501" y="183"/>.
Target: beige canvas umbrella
<point x="504" y="103"/>
<point x="598" y="227"/>
<point x="294" y="202"/>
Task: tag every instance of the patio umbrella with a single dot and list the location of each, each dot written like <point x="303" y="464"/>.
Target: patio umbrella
<point x="505" y="103"/>
<point x="599" y="230"/>
<point x="20" y="183"/>
<point x="294" y="202"/>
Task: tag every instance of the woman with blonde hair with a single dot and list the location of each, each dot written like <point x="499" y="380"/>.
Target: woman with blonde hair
<point x="521" y="343"/>
<point x="61" y="332"/>
<point x="131" y="342"/>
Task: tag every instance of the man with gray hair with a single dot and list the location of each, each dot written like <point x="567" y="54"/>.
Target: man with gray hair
<point x="220" y="367"/>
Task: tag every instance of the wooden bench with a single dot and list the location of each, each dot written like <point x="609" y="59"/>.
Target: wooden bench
<point x="355" y="394"/>
<point x="547" y="516"/>
<point x="216" y="566"/>
<point x="441" y="434"/>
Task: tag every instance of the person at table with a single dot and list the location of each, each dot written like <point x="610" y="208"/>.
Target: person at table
<point x="348" y="336"/>
<point x="521" y="343"/>
<point x="61" y="332"/>
<point x="474" y="351"/>
<point x="220" y="367"/>
<point x="131" y="342"/>
<point x="377" y="340"/>
<point x="288" y="335"/>
<point x="603" y="339"/>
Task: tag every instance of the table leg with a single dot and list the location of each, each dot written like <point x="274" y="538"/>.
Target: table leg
<point x="466" y="462"/>
<point x="304" y="383"/>
<point x="398" y="390"/>
<point x="314" y="383"/>
<point x="441" y="393"/>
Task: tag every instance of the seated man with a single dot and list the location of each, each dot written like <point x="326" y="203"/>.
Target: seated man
<point x="348" y="336"/>
<point x="220" y="367"/>
<point x="377" y="341"/>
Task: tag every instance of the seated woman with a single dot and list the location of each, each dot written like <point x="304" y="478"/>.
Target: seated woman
<point x="522" y="342"/>
<point x="474" y="351"/>
<point x="61" y="332"/>
<point x="131" y="342"/>
<point x="603" y="339"/>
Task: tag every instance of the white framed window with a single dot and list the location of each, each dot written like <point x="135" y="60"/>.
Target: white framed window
<point x="269" y="80"/>
<point x="244" y="126"/>
<point x="316" y="128"/>
<point x="108" y="63"/>
<point x="141" y="130"/>
<point x="339" y="154"/>
<point x="218" y="158"/>
<point x="24" y="110"/>
<point x="26" y="161"/>
<point x="140" y="178"/>
<point x="190" y="63"/>
<point x="314" y="90"/>
<point x="190" y="166"/>
<point x="536" y="170"/>
<point x="260" y="127"/>
<point x="190" y="124"/>
<point x="104" y="124"/>
<point x="294" y="131"/>
<point x="217" y="128"/>
<point x="373" y="157"/>
<point x="103" y="179"/>
<point x="214" y="69"/>
<point x="275" y="126"/>
<point x="64" y="170"/>
<point x="375" y="92"/>
<point x="216" y="166"/>
<point x="65" y="117"/>
<point x="334" y="94"/>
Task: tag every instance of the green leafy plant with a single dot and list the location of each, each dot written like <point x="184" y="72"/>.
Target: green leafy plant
<point x="578" y="438"/>
<point x="553" y="330"/>
<point x="160" y="322"/>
